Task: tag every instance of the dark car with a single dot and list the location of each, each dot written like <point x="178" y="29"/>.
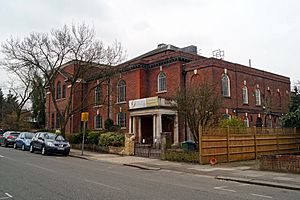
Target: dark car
<point x="23" y="140"/>
<point x="49" y="143"/>
<point x="9" y="138"/>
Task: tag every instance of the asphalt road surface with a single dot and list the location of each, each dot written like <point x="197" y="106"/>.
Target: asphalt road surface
<point x="26" y="176"/>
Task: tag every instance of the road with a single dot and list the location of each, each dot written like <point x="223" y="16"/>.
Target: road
<point x="26" y="176"/>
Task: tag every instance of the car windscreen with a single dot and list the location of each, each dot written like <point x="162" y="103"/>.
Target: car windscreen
<point x="29" y="135"/>
<point x="15" y="134"/>
<point x="50" y="136"/>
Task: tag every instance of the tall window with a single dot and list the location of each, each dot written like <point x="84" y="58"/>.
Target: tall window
<point x="279" y="99"/>
<point x="52" y="121"/>
<point x="98" y="95"/>
<point x="97" y="122"/>
<point x="162" y="83"/>
<point x="64" y="91"/>
<point x="58" y="90"/>
<point x="57" y="120"/>
<point x="121" y="119"/>
<point x="225" y="83"/>
<point x="121" y="93"/>
<point x="245" y="95"/>
<point x="257" y="97"/>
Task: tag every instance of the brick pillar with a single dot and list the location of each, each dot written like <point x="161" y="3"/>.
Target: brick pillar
<point x="163" y="139"/>
<point x="129" y="144"/>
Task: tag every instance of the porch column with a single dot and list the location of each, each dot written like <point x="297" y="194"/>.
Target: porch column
<point x="139" y="129"/>
<point x="154" y="129"/>
<point x="133" y="125"/>
<point x="158" y="127"/>
<point x="130" y="125"/>
<point x="176" y="136"/>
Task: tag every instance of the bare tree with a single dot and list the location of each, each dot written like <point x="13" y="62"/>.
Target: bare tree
<point x="199" y="105"/>
<point x="46" y="53"/>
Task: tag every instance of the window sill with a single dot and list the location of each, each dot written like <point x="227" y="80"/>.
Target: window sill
<point x="227" y="97"/>
<point x="245" y="104"/>
<point x="123" y="128"/>
<point x="123" y="102"/>
<point x="61" y="99"/>
<point x="161" y="92"/>
<point x="100" y="129"/>
<point x="98" y="106"/>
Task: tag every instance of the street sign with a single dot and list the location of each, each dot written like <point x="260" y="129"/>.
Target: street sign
<point x="84" y="116"/>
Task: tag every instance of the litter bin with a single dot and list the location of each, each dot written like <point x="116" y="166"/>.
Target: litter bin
<point x="188" y="146"/>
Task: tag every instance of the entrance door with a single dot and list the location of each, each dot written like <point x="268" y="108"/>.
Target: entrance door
<point x="147" y="129"/>
<point x="168" y="126"/>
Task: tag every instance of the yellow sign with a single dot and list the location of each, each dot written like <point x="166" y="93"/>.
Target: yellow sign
<point x="151" y="101"/>
<point x="84" y="116"/>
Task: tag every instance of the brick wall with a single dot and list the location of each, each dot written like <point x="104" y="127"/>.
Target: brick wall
<point x="280" y="163"/>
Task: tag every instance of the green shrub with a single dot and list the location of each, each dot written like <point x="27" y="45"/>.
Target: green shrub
<point x="182" y="156"/>
<point x="75" y="138"/>
<point x="93" y="137"/>
<point x="108" y="124"/>
<point x="111" y="139"/>
<point x="233" y="122"/>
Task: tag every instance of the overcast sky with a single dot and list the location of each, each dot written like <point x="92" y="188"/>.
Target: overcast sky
<point x="265" y="31"/>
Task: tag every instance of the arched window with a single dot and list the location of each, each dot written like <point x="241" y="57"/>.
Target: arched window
<point x="97" y="122"/>
<point x="64" y="91"/>
<point x="58" y="90"/>
<point x="245" y="95"/>
<point x="161" y="82"/>
<point x="121" y="119"/>
<point x="121" y="93"/>
<point x="257" y="97"/>
<point x="225" y="84"/>
<point x="278" y="99"/>
<point x="98" y="95"/>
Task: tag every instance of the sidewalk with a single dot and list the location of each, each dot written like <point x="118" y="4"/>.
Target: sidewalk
<point x="245" y="172"/>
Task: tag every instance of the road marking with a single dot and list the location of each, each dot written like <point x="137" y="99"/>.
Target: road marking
<point x="263" y="196"/>
<point x="102" y="184"/>
<point x="37" y="166"/>
<point x="1" y="156"/>
<point x="8" y="196"/>
<point x="223" y="188"/>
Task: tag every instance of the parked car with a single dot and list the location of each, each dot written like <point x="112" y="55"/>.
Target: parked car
<point x="23" y="140"/>
<point x="9" y="138"/>
<point x="49" y="143"/>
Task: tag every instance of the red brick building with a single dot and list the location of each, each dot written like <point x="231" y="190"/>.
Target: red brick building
<point x="140" y="93"/>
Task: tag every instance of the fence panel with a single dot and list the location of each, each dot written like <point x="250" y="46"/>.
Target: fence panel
<point x="228" y="145"/>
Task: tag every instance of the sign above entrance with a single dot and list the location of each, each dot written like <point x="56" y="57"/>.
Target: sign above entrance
<point x="143" y="103"/>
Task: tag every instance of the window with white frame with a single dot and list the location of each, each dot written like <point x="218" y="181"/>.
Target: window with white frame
<point x="98" y="95"/>
<point x="97" y="122"/>
<point x="121" y="91"/>
<point x="161" y="82"/>
<point x="225" y="84"/>
<point x="245" y="95"/>
<point x="257" y="97"/>
<point x="121" y="119"/>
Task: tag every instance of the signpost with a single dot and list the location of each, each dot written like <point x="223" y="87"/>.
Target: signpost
<point x="84" y="119"/>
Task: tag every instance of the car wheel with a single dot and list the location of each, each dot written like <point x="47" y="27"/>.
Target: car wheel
<point x="31" y="149"/>
<point x="15" y="146"/>
<point x="66" y="153"/>
<point x="5" y="143"/>
<point x="23" y="147"/>
<point x="44" y="150"/>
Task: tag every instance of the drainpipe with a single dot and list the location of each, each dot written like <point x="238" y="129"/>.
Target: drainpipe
<point x="184" y="86"/>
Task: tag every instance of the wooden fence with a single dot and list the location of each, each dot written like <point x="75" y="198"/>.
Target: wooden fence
<point x="227" y="145"/>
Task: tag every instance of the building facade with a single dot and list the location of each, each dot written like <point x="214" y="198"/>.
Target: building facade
<point x="138" y="97"/>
